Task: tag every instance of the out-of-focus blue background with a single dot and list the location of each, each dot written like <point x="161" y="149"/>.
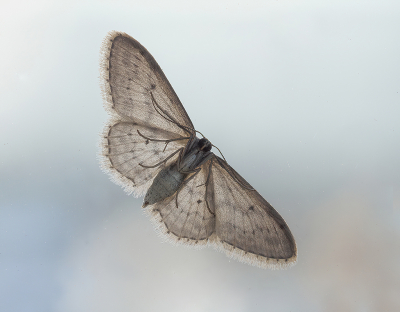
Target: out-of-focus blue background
<point x="303" y="99"/>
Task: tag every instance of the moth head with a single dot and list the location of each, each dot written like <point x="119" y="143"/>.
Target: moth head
<point x="204" y="145"/>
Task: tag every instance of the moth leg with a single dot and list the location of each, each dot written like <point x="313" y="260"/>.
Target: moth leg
<point x="160" y="140"/>
<point x="184" y="182"/>
<point x="206" y="184"/>
<point x="157" y="107"/>
<point x="163" y="161"/>
<point x="206" y="158"/>
<point x="170" y="118"/>
<point x="180" y="156"/>
<point x="188" y="146"/>
<point x="190" y="143"/>
<point x="209" y="173"/>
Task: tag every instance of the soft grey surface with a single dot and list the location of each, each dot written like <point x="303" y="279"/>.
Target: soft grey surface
<point x="303" y="99"/>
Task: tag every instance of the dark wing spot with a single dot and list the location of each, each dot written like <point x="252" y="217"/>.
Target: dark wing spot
<point x="251" y="208"/>
<point x="141" y="52"/>
<point x="254" y="233"/>
<point x="281" y="226"/>
<point x="147" y="142"/>
<point x="199" y="201"/>
<point x="152" y="86"/>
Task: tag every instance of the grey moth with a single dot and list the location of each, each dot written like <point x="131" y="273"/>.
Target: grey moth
<point x="150" y="147"/>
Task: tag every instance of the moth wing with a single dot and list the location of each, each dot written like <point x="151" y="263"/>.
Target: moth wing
<point x="184" y="217"/>
<point x="130" y="77"/>
<point x="138" y="96"/>
<point x="124" y="150"/>
<point x="247" y="227"/>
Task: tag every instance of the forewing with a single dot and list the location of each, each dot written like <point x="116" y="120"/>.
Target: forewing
<point x="124" y="149"/>
<point x="130" y="76"/>
<point x="185" y="217"/>
<point x="247" y="226"/>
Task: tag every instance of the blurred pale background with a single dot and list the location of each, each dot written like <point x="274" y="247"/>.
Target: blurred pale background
<point x="303" y="99"/>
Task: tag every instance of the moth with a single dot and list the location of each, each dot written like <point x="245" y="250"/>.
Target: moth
<point x="150" y="147"/>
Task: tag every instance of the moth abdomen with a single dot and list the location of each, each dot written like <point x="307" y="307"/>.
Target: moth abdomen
<point x="164" y="185"/>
